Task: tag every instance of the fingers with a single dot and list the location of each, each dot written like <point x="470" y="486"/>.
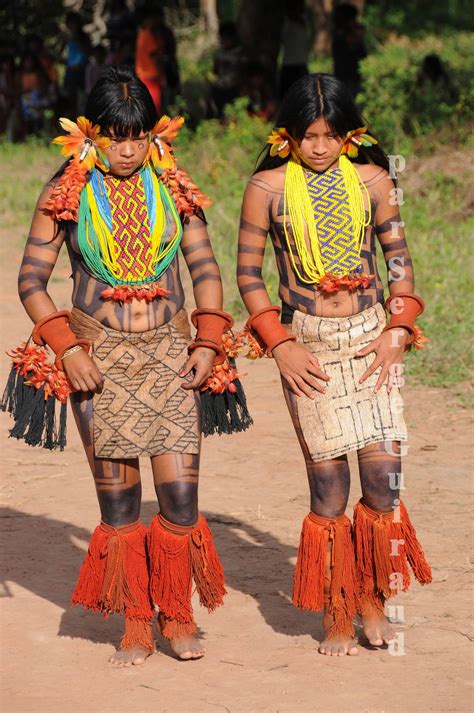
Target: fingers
<point x="200" y="377"/>
<point x="372" y="347"/>
<point x="187" y="367"/>
<point x="292" y="384"/>
<point x="304" y="384"/>
<point x="305" y="387"/>
<point x="191" y="365"/>
<point x="86" y="380"/>
<point x="381" y="379"/>
<point x="375" y="365"/>
<point x="317" y="371"/>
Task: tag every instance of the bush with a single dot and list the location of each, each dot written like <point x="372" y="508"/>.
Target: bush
<point x="398" y="107"/>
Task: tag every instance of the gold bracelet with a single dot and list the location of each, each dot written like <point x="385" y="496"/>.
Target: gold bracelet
<point x="71" y="350"/>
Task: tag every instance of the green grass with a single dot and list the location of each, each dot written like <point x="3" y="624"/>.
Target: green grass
<point x="221" y="160"/>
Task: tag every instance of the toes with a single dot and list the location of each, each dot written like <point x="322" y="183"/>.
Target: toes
<point x="139" y="661"/>
<point x="376" y="642"/>
<point x="186" y="655"/>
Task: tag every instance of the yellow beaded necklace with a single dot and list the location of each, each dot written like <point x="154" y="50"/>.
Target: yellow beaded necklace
<point x="297" y="206"/>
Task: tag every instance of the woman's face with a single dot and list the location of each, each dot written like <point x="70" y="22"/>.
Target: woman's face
<point x="320" y="145"/>
<point x="126" y="154"/>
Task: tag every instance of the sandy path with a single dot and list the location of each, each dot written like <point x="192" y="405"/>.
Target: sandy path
<point x="261" y="651"/>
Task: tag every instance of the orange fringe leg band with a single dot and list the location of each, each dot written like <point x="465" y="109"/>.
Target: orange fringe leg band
<point x="138" y="633"/>
<point x="114" y="575"/>
<point x="308" y="589"/>
<point x="177" y="556"/>
<point x="385" y="545"/>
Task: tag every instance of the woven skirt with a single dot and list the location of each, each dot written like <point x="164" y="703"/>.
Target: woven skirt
<point x="142" y="409"/>
<point x="349" y="415"/>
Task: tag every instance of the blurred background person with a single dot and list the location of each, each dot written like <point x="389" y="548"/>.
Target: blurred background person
<point x="434" y="76"/>
<point x="34" y="96"/>
<point x="150" y="51"/>
<point x="259" y="90"/>
<point x="229" y="66"/>
<point x="295" y="44"/>
<point x="95" y="67"/>
<point x="348" y="46"/>
<point x="10" y="105"/>
<point x="77" y="46"/>
<point x="122" y="28"/>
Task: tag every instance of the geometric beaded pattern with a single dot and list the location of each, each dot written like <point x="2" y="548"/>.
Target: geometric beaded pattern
<point x="130" y="227"/>
<point x="333" y="221"/>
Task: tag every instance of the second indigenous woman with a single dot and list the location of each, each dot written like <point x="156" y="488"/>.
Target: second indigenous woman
<point x="123" y="208"/>
<point x="324" y="194"/>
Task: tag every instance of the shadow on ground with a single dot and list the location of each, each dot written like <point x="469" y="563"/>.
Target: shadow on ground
<point x="43" y="555"/>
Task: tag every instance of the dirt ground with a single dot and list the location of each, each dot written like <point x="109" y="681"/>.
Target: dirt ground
<point x="262" y="653"/>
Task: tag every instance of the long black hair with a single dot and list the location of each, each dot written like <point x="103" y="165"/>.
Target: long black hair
<point x="120" y="101"/>
<point x="315" y="96"/>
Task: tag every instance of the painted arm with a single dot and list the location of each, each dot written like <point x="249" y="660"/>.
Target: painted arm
<point x="207" y="288"/>
<point x="39" y="258"/>
<point x="297" y="366"/>
<point x="389" y="348"/>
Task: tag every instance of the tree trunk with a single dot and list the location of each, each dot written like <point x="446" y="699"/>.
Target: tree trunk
<point x="322" y="14"/>
<point x="208" y="17"/>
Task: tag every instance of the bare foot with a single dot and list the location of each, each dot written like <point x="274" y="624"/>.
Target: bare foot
<point x="134" y="656"/>
<point x="377" y="628"/>
<point x="336" y="645"/>
<point x="187" y="647"/>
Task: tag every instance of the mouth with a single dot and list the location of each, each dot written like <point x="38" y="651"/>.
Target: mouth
<point x="126" y="166"/>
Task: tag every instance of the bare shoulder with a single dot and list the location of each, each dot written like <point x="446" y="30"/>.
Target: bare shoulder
<point x="372" y="175"/>
<point x="271" y="181"/>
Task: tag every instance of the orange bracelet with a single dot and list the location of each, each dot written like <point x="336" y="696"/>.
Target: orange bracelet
<point x="54" y="331"/>
<point x="404" y="308"/>
<point x="211" y="325"/>
<point x="267" y="328"/>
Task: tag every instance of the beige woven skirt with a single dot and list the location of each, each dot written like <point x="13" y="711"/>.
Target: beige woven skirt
<point x="142" y="409"/>
<point x="349" y="415"/>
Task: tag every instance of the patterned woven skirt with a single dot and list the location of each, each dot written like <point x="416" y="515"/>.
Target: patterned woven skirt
<point x="349" y="415"/>
<point x="142" y="409"/>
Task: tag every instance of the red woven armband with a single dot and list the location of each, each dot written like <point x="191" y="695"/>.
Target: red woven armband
<point x="404" y="308"/>
<point x="54" y="331"/>
<point x="211" y="325"/>
<point x="268" y="329"/>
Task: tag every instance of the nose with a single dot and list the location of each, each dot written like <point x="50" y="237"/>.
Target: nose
<point x="319" y="147"/>
<point x="126" y="149"/>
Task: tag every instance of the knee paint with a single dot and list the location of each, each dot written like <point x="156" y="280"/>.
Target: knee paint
<point x="120" y="507"/>
<point x="178" y="502"/>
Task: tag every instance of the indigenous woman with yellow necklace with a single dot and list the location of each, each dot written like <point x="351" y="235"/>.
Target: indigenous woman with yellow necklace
<point x="124" y="208"/>
<point x="323" y="192"/>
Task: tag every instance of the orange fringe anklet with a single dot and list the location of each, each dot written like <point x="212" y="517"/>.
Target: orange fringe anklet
<point x="114" y="574"/>
<point x="308" y="589"/>
<point x="385" y="544"/>
<point x="177" y="556"/>
<point x="137" y="634"/>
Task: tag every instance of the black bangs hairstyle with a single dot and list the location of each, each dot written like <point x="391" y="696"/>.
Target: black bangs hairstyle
<point x="315" y="96"/>
<point x="119" y="101"/>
